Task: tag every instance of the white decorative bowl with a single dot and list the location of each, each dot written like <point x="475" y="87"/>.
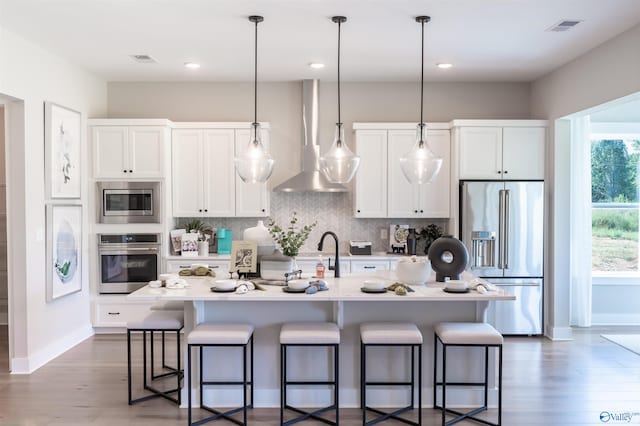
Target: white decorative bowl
<point x="298" y="284"/>
<point x="413" y="273"/>
<point x="458" y="285"/>
<point x="225" y="284"/>
<point x="374" y="285"/>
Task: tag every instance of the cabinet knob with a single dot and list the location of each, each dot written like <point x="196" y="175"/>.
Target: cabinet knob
<point x="415" y="211"/>
<point x="125" y="171"/>
<point x="200" y="210"/>
<point x="130" y="171"/>
<point x="206" y="210"/>
<point x="358" y="210"/>
<point x="506" y="171"/>
<point x="421" y="211"/>
<point x="262" y="210"/>
<point x="499" y="172"/>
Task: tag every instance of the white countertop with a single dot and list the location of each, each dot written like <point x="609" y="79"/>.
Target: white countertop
<point x="302" y="256"/>
<point x="345" y="289"/>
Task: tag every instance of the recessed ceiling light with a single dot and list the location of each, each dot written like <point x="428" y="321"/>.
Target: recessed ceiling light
<point x="143" y="58"/>
<point x="444" y="65"/>
<point x="316" y="65"/>
<point x="192" y="65"/>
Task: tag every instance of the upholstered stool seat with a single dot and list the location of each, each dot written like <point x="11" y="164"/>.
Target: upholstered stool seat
<point x="221" y="335"/>
<point x="391" y="334"/>
<point x="163" y="321"/>
<point x="466" y="334"/>
<point x="312" y="334"/>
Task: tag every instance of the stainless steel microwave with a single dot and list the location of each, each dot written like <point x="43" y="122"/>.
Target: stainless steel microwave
<point x="129" y="202"/>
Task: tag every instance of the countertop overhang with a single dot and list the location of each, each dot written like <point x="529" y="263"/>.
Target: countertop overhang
<point x="344" y="289"/>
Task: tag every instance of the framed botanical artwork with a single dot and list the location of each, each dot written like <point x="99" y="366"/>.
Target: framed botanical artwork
<point x="64" y="250"/>
<point x="62" y="141"/>
<point x="244" y="257"/>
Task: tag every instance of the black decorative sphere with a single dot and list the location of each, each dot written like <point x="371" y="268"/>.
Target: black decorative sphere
<point x="448" y="257"/>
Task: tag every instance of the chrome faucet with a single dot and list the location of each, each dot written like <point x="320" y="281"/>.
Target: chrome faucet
<point x="336" y="268"/>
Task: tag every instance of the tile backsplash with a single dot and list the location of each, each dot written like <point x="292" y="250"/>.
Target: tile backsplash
<point x="332" y="212"/>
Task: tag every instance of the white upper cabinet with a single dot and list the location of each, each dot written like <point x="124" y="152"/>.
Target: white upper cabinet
<point x="128" y="152"/>
<point x="381" y="188"/>
<point x="204" y="179"/>
<point x="502" y="152"/>
<point x="371" y="179"/>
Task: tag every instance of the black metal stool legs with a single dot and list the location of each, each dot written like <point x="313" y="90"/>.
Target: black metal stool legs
<point x="284" y="382"/>
<point x="245" y="382"/>
<point x="470" y="415"/>
<point x="415" y="350"/>
<point x="155" y="393"/>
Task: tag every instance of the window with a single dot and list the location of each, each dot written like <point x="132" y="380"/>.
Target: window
<point x="614" y="197"/>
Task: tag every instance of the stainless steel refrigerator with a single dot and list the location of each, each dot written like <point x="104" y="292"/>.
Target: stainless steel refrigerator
<point x="502" y="225"/>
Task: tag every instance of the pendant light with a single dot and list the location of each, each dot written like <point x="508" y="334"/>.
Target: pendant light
<point x="255" y="164"/>
<point x="421" y="165"/>
<point x="339" y="164"/>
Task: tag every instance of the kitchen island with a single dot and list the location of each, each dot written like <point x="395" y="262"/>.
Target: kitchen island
<point x="345" y="304"/>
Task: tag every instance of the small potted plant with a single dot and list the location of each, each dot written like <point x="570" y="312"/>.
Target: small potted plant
<point x="429" y="234"/>
<point x="291" y="239"/>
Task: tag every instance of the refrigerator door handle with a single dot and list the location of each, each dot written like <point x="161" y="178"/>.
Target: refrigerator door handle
<point x="501" y="229"/>
<point x="505" y="258"/>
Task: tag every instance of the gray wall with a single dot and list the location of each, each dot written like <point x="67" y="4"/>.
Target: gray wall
<point x="608" y="72"/>
<point x="280" y="105"/>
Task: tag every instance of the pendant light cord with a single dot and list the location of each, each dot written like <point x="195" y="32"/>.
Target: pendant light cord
<point x="255" y="81"/>
<point x="422" y="84"/>
<point x="339" y="121"/>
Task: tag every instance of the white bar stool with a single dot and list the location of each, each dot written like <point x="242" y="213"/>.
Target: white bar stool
<point x="466" y="334"/>
<point x="163" y="306"/>
<point x="163" y="321"/>
<point x="313" y="334"/>
<point x="389" y="334"/>
<point x="221" y="335"/>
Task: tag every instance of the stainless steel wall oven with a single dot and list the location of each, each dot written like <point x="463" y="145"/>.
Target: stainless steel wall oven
<point x="127" y="261"/>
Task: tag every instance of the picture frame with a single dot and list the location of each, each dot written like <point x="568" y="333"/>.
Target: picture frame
<point x="244" y="257"/>
<point x="63" y="142"/>
<point x="398" y="238"/>
<point x="63" y="250"/>
<point x="189" y="244"/>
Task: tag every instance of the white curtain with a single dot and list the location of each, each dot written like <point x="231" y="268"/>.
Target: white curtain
<point x="580" y="222"/>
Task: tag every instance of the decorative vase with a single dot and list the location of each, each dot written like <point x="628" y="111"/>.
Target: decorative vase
<point x="449" y="257"/>
<point x="260" y="234"/>
<point x="411" y="242"/>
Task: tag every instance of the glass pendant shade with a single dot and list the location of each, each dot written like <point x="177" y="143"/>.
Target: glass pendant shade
<point x="255" y="164"/>
<point x="339" y="164"/>
<point x="420" y="165"/>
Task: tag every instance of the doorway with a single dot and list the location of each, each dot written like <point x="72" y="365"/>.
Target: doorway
<point x="4" y="288"/>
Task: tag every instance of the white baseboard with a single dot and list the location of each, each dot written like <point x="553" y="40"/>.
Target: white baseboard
<point x="615" y="319"/>
<point x="37" y="360"/>
<point x="559" y="333"/>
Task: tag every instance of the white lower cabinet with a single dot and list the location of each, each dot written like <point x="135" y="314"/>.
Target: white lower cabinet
<point x="369" y="265"/>
<point x="220" y="267"/>
<point x="117" y="314"/>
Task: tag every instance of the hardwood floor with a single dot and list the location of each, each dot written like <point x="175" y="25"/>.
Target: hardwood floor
<point x="545" y="383"/>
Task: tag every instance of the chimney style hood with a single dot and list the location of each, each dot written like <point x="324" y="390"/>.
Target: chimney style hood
<point x="310" y="179"/>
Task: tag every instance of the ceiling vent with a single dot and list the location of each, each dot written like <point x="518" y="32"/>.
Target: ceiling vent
<point x="564" y="25"/>
<point x="145" y="59"/>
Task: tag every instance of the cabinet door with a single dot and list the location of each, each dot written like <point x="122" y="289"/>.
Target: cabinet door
<point x="371" y="180"/>
<point x="110" y="149"/>
<point x="218" y="173"/>
<point x="523" y="152"/>
<point x="146" y="151"/>
<point x="481" y="153"/>
<point x="252" y="199"/>
<point x="186" y="165"/>
<point x="434" y="196"/>
<point x="402" y="198"/>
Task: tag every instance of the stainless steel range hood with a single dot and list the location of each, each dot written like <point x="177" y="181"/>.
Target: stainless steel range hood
<point x="310" y="179"/>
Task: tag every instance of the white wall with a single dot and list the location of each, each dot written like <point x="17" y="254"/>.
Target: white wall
<point x="608" y="72"/>
<point x="29" y="73"/>
<point x="3" y="227"/>
<point x="281" y="105"/>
